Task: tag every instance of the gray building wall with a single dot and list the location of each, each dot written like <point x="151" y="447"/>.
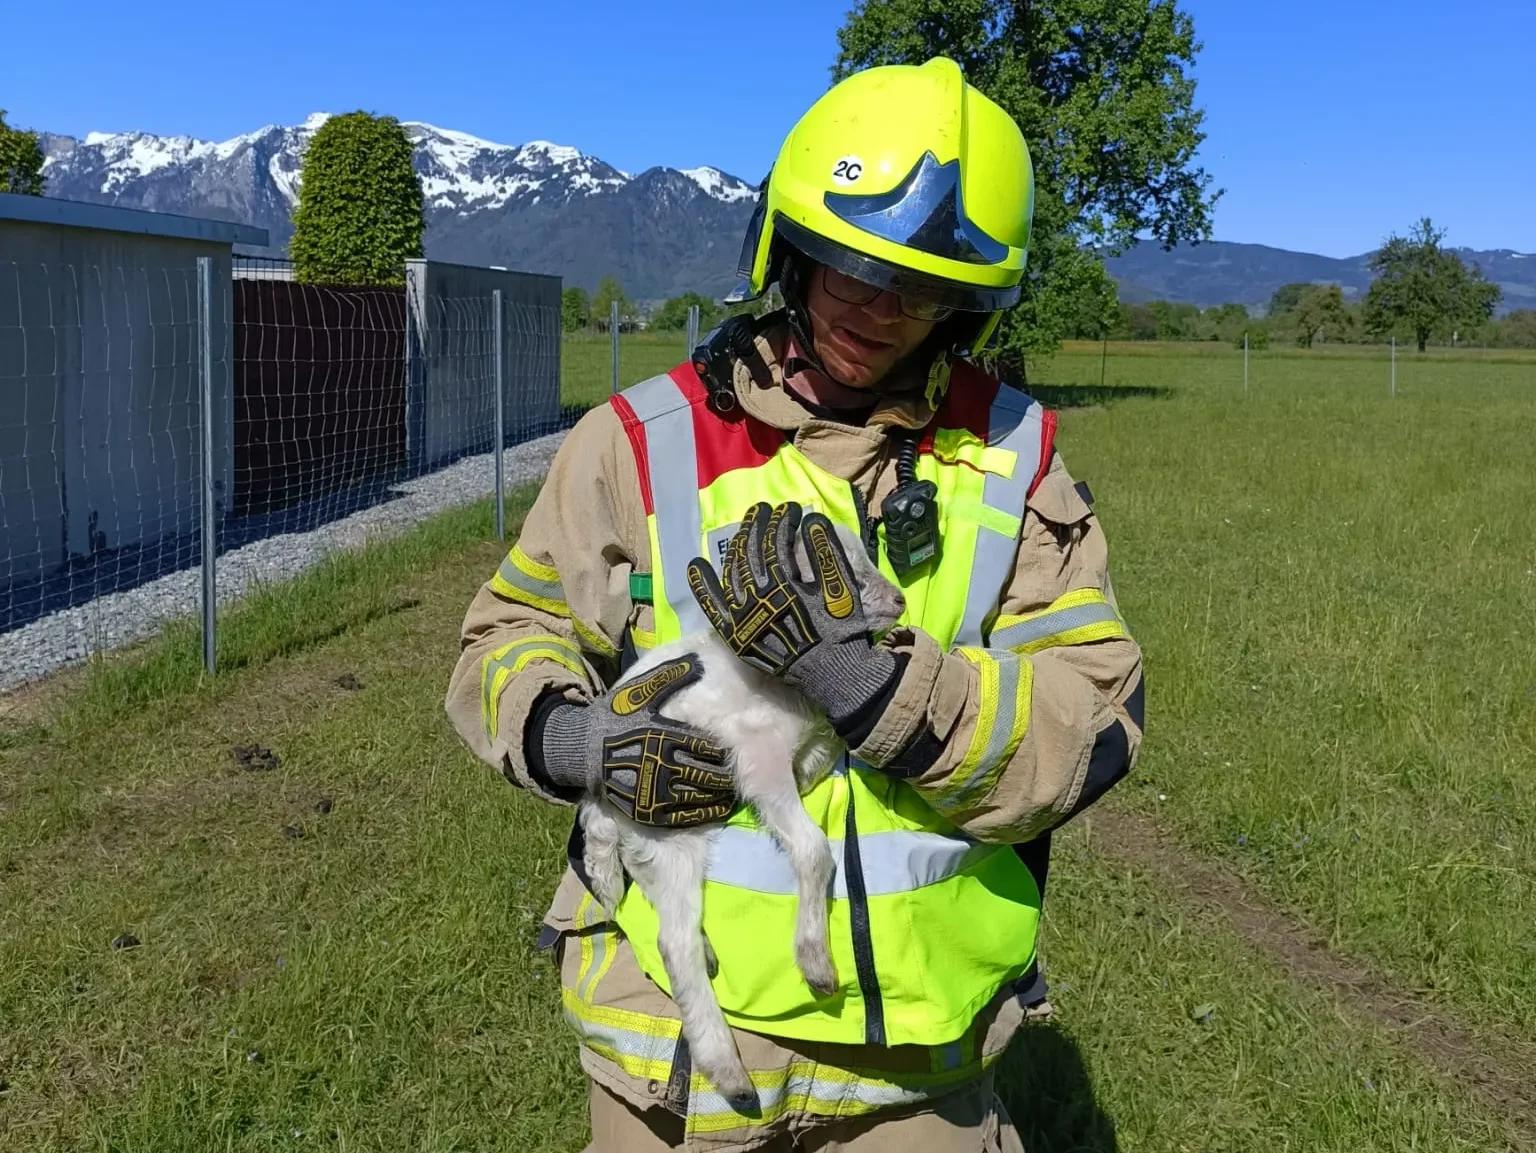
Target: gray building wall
<point x="450" y="380"/>
<point x="100" y="399"/>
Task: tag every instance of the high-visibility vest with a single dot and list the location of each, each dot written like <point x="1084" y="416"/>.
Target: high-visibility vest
<point x="926" y="924"/>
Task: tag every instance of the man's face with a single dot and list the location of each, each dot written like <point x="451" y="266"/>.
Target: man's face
<point x="859" y="344"/>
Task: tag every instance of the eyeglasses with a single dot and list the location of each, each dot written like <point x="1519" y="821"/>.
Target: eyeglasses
<point x="850" y="290"/>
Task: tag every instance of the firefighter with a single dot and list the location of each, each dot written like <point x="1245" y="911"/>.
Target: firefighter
<point x="895" y="223"/>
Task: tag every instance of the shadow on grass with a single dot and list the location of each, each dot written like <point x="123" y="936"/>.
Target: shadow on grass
<point x="1048" y="1092"/>
<point x="1091" y="395"/>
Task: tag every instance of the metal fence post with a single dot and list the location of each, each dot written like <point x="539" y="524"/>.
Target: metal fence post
<point x="501" y="416"/>
<point x="1392" y="387"/>
<point x="613" y="331"/>
<point x="210" y="541"/>
<point x="1245" y="362"/>
<point x="693" y="328"/>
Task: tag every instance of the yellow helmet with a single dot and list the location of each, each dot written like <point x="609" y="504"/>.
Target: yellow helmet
<point x="906" y="177"/>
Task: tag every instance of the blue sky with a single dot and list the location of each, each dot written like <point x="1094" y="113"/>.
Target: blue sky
<point x="1329" y="123"/>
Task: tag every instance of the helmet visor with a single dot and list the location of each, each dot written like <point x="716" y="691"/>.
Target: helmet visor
<point x="933" y="291"/>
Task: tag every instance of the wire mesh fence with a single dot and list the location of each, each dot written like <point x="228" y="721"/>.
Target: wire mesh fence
<point x="315" y="403"/>
<point x="100" y="431"/>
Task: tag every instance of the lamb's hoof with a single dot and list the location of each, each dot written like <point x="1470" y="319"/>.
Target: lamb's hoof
<point x="736" y="1087"/>
<point x="817" y="969"/>
<point x="711" y="962"/>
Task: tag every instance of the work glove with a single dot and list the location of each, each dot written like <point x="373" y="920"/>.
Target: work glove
<point x="653" y="770"/>
<point x="810" y="633"/>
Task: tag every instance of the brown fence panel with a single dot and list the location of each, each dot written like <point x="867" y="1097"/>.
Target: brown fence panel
<point x="319" y="382"/>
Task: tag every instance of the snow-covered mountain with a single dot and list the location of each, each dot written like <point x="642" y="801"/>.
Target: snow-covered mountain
<point x="550" y="208"/>
<point x="541" y="206"/>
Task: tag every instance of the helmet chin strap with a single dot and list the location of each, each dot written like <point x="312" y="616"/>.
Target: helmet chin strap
<point x="799" y="318"/>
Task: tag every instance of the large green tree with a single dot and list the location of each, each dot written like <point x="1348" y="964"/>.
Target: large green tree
<point x="1425" y="289"/>
<point x="1103" y="93"/>
<point x="358" y="218"/>
<point x="1319" y="312"/>
<point x="21" y="160"/>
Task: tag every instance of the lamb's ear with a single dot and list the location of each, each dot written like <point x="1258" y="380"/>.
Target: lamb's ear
<point x="882" y="601"/>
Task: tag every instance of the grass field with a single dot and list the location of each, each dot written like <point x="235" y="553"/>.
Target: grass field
<point x="1307" y="923"/>
<point x="586" y="362"/>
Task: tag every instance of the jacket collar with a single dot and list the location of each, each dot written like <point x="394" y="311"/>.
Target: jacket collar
<point x="760" y="389"/>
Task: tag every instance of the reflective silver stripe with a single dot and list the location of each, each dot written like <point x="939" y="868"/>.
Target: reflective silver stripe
<point x="893" y="862"/>
<point x="506" y="660"/>
<point x="1003" y="721"/>
<point x="588" y="984"/>
<point x="803" y="1083"/>
<point x="518" y="579"/>
<point x="671" y="459"/>
<point x="1060" y="621"/>
<point x="1016" y="424"/>
<point x="625" y="1041"/>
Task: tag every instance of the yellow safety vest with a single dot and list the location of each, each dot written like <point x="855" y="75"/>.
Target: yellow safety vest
<point x="926" y="924"/>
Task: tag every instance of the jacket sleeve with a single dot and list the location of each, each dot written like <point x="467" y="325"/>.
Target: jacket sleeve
<point x="552" y="616"/>
<point x="1013" y="739"/>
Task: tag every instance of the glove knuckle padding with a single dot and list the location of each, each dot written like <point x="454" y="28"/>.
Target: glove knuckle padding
<point x="655" y="770"/>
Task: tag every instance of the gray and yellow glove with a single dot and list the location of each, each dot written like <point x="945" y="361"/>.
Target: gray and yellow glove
<point x="811" y="634"/>
<point x="653" y="770"/>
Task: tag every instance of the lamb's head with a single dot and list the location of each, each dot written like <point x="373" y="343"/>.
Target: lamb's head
<point x="882" y="601"/>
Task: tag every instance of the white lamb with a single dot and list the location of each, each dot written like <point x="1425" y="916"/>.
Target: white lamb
<point x="779" y="745"/>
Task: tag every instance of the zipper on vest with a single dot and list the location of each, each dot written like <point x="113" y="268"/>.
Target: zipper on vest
<point x="858" y="916"/>
<point x="867" y="531"/>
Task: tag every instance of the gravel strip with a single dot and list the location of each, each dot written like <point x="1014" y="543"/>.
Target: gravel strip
<point x="107" y="622"/>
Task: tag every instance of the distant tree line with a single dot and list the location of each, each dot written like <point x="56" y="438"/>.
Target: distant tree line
<point x="580" y="311"/>
<point x="1422" y="293"/>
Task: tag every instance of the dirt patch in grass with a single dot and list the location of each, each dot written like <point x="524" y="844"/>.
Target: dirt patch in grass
<point x="1496" y="1069"/>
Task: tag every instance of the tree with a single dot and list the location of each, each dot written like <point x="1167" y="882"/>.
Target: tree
<point x="673" y="315"/>
<point x="21" y="160"/>
<point x="1226" y="322"/>
<point x="1087" y="307"/>
<point x="1286" y="298"/>
<point x="575" y="309"/>
<point x="358" y="218"/>
<point x="1516" y="330"/>
<point x="1320" y="311"/>
<point x="1425" y="289"/>
<point x="1175" y="321"/>
<point x="609" y="290"/>
<point x="1137" y="322"/>
<point x="1104" y="95"/>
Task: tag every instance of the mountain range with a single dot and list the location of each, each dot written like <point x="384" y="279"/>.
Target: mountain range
<point x="548" y="207"/>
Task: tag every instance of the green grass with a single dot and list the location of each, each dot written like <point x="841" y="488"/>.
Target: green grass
<point x="1335" y="593"/>
<point x="586" y="362"/>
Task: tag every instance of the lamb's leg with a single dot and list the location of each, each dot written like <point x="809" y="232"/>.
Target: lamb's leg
<point x="673" y="879"/>
<point x="765" y="777"/>
<point x="600" y="854"/>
